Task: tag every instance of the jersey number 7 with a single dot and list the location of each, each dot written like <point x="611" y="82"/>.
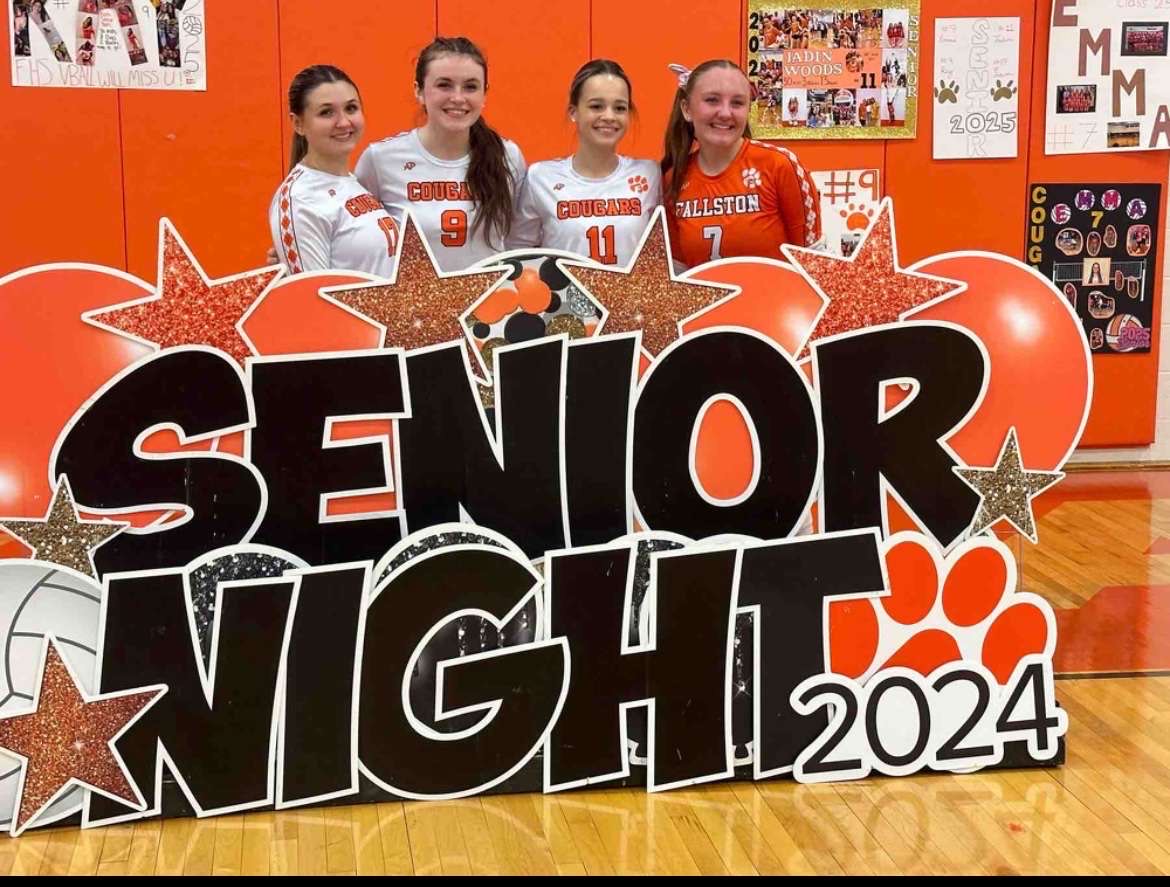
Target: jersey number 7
<point x="714" y="233"/>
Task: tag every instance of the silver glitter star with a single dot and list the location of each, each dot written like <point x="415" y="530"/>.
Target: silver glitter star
<point x="61" y="537"/>
<point x="1007" y="489"/>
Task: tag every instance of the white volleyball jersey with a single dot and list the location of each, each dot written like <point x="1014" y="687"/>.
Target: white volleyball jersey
<point x="321" y="221"/>
<point x="600" y="218"/>
<point x="401" y="173"/>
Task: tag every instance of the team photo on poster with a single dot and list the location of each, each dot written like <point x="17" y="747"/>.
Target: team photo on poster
<point x="1098" y="244"/>
<point x="833" y="72"/>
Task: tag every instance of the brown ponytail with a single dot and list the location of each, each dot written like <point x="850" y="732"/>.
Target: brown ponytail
<point x="680" y="135"/>
<point x="489" y="179"/>
<point x="298" y="93"/>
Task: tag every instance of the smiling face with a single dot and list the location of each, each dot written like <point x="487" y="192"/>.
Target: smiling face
<point x="332" y="122"/>
<point x="602" y="112"/>
<point x="717" y="107"/>
<point x="452" y="92"/>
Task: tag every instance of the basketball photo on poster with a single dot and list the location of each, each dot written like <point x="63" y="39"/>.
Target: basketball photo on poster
<point x="833" y="72"/>
<point x="1096" y="244"/>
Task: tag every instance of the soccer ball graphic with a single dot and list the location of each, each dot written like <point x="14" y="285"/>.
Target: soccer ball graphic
<point x="36" y="599"/>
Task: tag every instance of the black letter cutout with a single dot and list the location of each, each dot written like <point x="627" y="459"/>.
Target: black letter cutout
<point x="598" y="390"/>
<point x="222" y="752"/>
<point x="861" y="447"/>
<point x="772" y="389"/>
<point x="294" y="399"/>
<point x="526" y="682"/>
<point x="201" y="392"/>
<point x="686" y="674"/>
<point x="788" y="582"/>
<point x="317" y="756"/>
<point x="447" y="460"/>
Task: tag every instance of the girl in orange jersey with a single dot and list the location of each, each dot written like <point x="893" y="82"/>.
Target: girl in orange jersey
<point x="727" y="194"/>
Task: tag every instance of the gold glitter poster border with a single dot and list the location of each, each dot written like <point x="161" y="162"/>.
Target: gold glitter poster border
<point x="752" y="43"/>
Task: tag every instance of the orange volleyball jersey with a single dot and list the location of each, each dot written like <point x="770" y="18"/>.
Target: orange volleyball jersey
<point x="763" y="199"/>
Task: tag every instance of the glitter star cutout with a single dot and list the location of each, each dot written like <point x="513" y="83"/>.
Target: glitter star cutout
<point x="868" y="288"/>
<point x="646" y="295"/>
<point x="189" y="309"/>
<point x="1007" y="490"/>
<point x="61" y="537"/>
<point x="423" y="305"/>
<point x="69" y="737"/>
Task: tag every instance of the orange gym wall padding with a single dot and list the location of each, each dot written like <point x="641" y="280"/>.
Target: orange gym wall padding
<point x="91" y="171"/>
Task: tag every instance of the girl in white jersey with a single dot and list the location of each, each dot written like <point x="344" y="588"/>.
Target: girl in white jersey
<point x="320" y="217"/>
<point x="454" y="174"/>
<point x="597" y="202"/>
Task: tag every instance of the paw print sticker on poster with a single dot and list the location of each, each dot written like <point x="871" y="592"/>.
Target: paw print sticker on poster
<point x="975" y="100"/>
<point x="849" y="200"/>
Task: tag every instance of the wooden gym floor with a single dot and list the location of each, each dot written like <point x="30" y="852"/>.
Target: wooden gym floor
<point x="1103" y="561"/>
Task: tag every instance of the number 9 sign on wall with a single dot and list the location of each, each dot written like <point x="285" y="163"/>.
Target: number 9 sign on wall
<point x="975" y="87"/>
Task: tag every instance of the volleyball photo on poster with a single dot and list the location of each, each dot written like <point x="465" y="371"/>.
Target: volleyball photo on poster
<point x="110" y="44"/>
<point x="833" y="72"/>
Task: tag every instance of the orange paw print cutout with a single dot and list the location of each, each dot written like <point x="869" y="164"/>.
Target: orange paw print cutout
<point x="857" y="218"/>
<point x="939" y="610"/>
<point x="638" y="184"/>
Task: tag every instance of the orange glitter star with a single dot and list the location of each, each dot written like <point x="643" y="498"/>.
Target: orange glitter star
<point x="646" y="295"/>
<point x="868" y="288"/>
<point x="189" y="308"/>
<point x="69" y="738"/>
<point x="423" y="305"/>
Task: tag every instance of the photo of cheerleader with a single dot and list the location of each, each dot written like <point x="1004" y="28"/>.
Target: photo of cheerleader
<point x="86" y="28"/>
<point x="86" y="53"/>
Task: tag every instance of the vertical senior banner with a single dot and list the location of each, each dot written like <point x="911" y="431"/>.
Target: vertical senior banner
<point x="842" y="70"/>
<point x="110" y="44"/>
<point x="1108" y="77"/>
<point x="976" y="77"/>
<point x="1098" y="244"/>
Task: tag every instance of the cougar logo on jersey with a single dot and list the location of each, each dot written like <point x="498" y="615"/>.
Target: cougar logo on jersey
<point x="751" y="177"/>
<point x="558" y="186"/>
<point x="638" y="184"/>
<point x="408" y="166"/>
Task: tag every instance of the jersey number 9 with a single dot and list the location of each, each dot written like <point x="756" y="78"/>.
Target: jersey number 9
<point x="454" y="226"/>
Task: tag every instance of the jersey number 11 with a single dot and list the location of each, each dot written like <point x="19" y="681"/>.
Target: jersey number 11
<point x="601" y="244"/>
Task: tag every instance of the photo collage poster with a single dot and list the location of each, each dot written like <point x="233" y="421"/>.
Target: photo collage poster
<point x="976" y="87"/>
<point x="849" y="203"/>
<point x="847" y="70"/>
<point x="1108" y="77"/>
<point x="108" y="44"/>
<point x="1098" y="243"/>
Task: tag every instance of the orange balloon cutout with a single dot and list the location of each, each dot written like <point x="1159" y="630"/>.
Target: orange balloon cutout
<point x="1040" y="373"/>
<point x="535" y="296"/>
<point x="775" y="300"/>
<point x="51" y="364"/>
<point x="294" y="318"/>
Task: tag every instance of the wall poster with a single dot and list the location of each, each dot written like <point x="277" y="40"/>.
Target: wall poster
<point x="1108" y="77"/>
<point x="110" y="44"/>
<point x="1098" y="244"/>
<point x="976" y="72"/>
<point x="843" y="70"/>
